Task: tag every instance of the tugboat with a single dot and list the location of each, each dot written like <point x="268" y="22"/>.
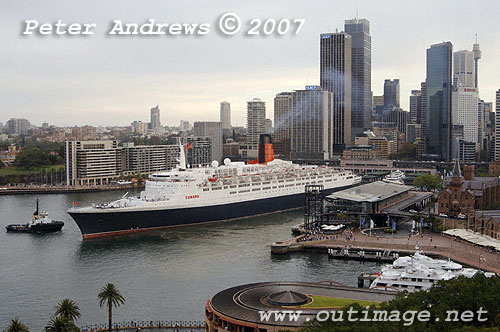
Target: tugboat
<point x="40" y="223"/>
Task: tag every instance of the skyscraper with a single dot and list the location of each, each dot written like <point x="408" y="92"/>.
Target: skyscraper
<point x="335" y="76"/>
<point x="391" y="92"/>
<point x="225" y="116"/>
<point x="464" y="105"/>
<point x="155" y="117"/>
<point x="282" y="114"/>
<point x="256" y="122"/>
<point x="213" y="130"/>
<point x="438" y="100"/>
<point x="415" y="106"/>
<point x="497" y="125"/>
<point x="423" y="110"/>
<point x="312" y="131"/>
<point x="361" y="109"/>
<point x="463" y="69"/>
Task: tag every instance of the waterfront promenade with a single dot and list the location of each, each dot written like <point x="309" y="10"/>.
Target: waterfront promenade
<point x="433" y="244"/>
<point x="148" y="326"/>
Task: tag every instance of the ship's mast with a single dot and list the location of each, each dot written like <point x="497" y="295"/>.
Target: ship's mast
<point x="181" y="161"/>
<point x="36" y="212"/>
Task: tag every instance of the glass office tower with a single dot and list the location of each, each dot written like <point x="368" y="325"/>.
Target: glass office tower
<point x="438" y="100"/>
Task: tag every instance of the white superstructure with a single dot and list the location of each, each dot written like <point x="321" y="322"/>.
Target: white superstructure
<point x="232" y="182"/>
<point x="396" y="177"/>
<point x="418" y="272"/>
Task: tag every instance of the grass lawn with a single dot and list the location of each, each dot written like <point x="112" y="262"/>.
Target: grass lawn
<point x="333" y="302"/>
<point x="6" y="171"/>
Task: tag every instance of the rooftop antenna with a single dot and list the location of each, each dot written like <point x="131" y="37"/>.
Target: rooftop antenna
<point x="476" y="38"/>
<point x="357" y="9"/>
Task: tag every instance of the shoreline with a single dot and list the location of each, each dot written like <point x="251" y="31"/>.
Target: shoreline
<point x="62" y="189"/>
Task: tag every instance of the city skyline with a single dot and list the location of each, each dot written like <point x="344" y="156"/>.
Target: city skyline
<point x="101" y="80"/>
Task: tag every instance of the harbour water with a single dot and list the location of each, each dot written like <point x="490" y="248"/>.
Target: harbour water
<point x="163" y="275"/>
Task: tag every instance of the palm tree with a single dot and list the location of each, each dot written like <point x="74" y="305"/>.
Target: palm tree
<point x="16" y="326"/>
<point x="60" y="324"/>
<point x="68" y="309"/>
<point x="110" y="296"/>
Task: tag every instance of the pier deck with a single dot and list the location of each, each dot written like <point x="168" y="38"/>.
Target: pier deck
<point x="433" y="244"/>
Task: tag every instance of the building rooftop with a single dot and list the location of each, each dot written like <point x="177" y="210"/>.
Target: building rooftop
<point x="495" y="214"/>
<point x="371" y="192"/>
<point x="243" y="303"/>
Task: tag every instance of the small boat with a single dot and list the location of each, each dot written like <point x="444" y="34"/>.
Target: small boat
<point x="396" y="177"/>
<point x="40" y="223"/>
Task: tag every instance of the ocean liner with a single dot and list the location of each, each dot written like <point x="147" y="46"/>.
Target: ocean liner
<point x="187" y="196"/>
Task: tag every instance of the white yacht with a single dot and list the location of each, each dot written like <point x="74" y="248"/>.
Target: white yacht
<point x="396" y="177"/>
<point x="418" y="272"/>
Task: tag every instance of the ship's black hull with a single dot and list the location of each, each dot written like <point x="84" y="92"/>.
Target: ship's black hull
<point x="100" y="224"/>
<point x="54" y="226"/>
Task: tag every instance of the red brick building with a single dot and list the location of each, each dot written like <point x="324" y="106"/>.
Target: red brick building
<point x="464" y="194"/>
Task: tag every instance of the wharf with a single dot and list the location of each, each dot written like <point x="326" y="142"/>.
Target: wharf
<point x="433" y="245"/>
<point x="385" y="256"/>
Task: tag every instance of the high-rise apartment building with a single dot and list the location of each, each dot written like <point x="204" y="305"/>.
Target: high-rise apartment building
<point x="92" y="162"/>
<point x="225" y="116"/>
<point x="17" y="126"/>
<point x="391" y="92"/>
<point x="282" y="115"/>
<point x="213" y="130"/>
<point x="312" y="126"/>
<point x="422" y="119"/>
<point x="464" y="106"/>
<point x="438" y="100"/>
<point x="145" y="159"/>
<point x="415" y="106"/>
<point x="485" y="120"/>
<point x="335" y="77"/>
<point x="155" y="118"/>
<point x="361" y="108"/>
<point x="497" y="125"/>
<point x="256" y="122"/>
<point x="463" y="68"/>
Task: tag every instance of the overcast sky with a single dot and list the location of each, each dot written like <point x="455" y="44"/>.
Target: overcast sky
<point x="106" y="80"/>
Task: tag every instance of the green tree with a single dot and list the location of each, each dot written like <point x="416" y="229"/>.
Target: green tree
<point x="60" y="324"/>
<point x="16" y="326"/>
<point x="110" y="296"/>
<point x="31" y="158"/>
<point x="68" y="309"/>
<point x="428" y="182"/>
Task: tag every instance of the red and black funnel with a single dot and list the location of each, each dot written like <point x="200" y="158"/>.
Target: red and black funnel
<point x="266" y="152"/>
